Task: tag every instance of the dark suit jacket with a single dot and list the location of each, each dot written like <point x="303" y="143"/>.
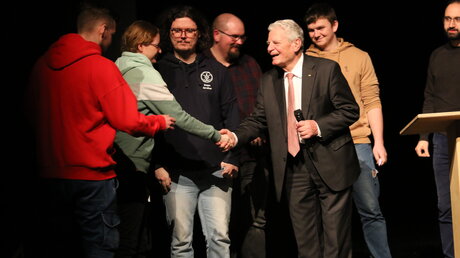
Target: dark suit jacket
<point x="327" y="99"/>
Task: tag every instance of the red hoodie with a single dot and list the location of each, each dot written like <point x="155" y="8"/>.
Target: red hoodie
<point x="79" y="100"/>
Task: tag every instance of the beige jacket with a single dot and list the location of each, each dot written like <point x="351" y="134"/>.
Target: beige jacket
<point x="359" y="72"/>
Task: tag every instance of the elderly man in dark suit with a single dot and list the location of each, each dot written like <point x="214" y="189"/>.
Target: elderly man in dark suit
<point x="314" y="159"/>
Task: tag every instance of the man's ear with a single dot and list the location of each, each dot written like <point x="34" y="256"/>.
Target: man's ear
<point x="215" y="34"/>
<point x="297" y="44"/>
<point x="102" y="29"/>
<point x="335" y="26"/>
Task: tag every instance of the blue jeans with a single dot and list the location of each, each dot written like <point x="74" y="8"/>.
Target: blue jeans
<point x="441" y="168"/>
<point x="211" y="194"/>
<point x="366" y="192"/>
<point x="79" y="218"/>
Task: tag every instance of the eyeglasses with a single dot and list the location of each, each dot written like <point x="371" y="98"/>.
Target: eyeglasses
<point x="176" y="32"/>
<point x="155" y="45"/>
<point x="448" y="19"/>
<point x="235" y="38"/>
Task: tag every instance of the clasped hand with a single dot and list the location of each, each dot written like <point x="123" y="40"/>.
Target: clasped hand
<point x="227" y="140"/>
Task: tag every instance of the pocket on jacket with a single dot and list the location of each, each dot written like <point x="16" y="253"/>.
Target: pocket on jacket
<point x="339" y="142"/>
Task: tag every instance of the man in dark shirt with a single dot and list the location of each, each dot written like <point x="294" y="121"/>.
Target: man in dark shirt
<point x="247" y="224"/>
<point x="200" y="174"/>
<point x="442" y="94"/>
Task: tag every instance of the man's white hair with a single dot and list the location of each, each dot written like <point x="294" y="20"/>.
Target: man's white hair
<point x="293" y="30"/>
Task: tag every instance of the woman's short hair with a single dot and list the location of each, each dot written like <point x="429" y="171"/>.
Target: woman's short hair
<point x="138" y="33"/>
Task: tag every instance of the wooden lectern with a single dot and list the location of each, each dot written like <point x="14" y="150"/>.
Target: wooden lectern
<point x="449" y="123"/>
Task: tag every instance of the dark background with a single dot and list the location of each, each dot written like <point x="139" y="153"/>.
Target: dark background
<point x="398" y="35"/>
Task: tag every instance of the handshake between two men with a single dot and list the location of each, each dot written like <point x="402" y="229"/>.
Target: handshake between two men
<point x="306" y="129"/>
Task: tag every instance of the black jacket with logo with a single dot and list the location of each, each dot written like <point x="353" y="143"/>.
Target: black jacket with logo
<point x="204" y="89"/>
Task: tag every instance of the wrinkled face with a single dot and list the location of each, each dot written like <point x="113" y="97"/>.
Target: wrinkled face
<point x="322" y="32"/>
<point x="230" y="39"/>
<point x="452" y="21"/>
<point x="152" y="50"/>
<point x="281" y="49"/>
<point x="184" y="35"/>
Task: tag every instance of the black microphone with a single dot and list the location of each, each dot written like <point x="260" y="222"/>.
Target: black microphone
<point x="298" y="115"/>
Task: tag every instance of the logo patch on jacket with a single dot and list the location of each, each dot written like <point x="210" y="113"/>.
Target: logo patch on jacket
<point x="206" y="77"/>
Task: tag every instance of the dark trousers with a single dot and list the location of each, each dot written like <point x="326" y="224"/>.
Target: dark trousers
<point x="134" y="211"/>
<point x="320" y="217"/>
<point x="135" y="238"/>
<point x="248" y="220"/>
<point x="441" y="167"/>
<point x="78" y="218"/>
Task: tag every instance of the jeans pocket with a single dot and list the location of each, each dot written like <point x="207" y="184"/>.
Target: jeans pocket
<point x="111" y="236"/>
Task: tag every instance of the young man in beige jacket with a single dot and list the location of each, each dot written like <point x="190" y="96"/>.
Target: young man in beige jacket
<point x="356" y="66"/>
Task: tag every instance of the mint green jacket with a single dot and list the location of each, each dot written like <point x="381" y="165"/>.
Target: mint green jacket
<point x="153" y="97"/>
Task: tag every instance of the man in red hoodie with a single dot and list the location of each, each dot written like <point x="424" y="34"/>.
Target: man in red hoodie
<point x="79" y="101"/>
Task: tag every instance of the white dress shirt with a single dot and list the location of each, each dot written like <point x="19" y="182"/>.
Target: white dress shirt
<point x="297" y="81"/>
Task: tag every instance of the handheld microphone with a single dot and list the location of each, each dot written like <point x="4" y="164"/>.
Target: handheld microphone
<point x="298" y="115"/>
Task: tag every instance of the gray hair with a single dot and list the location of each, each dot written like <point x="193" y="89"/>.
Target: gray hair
<point x="293" y="30"/>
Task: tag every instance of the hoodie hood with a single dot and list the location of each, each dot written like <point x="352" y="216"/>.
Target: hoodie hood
<point x="129" y="60"/>
<point x="356" y="66"/>
<point x="69" y="49"/>
<point x="334" y="54"/>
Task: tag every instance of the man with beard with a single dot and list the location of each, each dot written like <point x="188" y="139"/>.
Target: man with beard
<point x="356" y="65"/>
<point x="442" y="94"/>
<point x="140" y="46"/>
<point x="201" y="175"/>
<point x="247" y="225"/>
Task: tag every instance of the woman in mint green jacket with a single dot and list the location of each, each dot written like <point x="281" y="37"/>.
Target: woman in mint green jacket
<point x="140" y="46"/>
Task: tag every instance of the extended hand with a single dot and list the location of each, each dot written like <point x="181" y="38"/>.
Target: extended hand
<point x="170" y="121"/>
<point x="227" y="140"/>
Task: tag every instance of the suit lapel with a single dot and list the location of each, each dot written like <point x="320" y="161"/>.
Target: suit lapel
<point x="278" y="85"/>
<point x="308" y="82"/>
